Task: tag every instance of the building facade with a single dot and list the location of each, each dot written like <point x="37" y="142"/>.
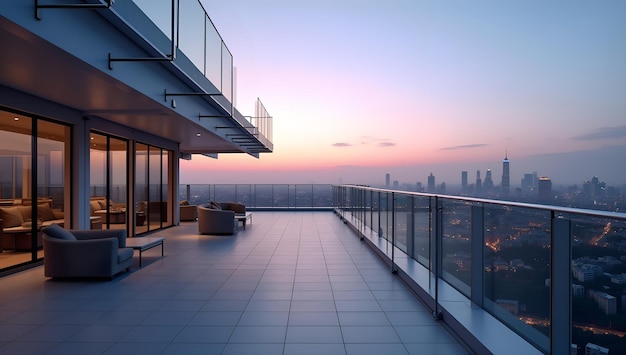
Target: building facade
<point x="98" y="102"/>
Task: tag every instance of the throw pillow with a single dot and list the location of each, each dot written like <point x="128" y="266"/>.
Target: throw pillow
<point x="94" y="206"/>
<point x="45" y="213"/>
<point x="25" y="211"/>
<point x="214" y="205"/>
<point x="11" y="217"/>
<point x="55" y="231"/>
<point x="184" y="203"/>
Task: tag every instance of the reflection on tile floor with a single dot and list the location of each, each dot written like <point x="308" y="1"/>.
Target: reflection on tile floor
<point x="291" y="283"/>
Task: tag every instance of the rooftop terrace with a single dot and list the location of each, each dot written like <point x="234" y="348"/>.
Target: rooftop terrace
<point x="291" y="283"/>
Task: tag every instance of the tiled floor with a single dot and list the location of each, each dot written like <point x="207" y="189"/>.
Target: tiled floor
<point x="291" y="283"/>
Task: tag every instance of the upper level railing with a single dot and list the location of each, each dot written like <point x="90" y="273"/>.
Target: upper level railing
<point x="196" y="36"/>
<point x="556" y="276"/>
<point x="262" y="196"/>
<point x="188" y="26"/>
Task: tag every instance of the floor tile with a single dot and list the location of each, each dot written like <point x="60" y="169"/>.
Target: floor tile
<point x="314" y="335"/>
<point x="369" y="334"/>
<point x="258" y="335"/>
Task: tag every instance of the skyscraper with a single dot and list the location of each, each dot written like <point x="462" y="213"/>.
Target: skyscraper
<point x="387" y="180"/>
<point x="488" y="185"/>
<point x="528" y="184"/>
<point x="545" y="189"/>
<point x="431" y="183"/>
<point x="464" y="181"/>
<point x="479" y="183"/>
<point x="506" y="179"/>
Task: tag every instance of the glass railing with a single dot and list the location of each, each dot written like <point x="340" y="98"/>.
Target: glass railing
<point x="188" y="26"/>
<point x="196" y="36"/>
<point x="555" y="276"/>
<point x="261" y="196"/>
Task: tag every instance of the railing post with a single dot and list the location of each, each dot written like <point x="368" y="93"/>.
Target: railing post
<point x="410" y="229"/>
<point x="438" y="233"/>
<point x="379" y="228"/>
<point x="477" y="254"/>
<point x="560" y="286"/>
<point x="394" y="268"/>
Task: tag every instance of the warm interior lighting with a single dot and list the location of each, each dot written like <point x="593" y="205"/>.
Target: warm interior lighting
<point x="16" y="118"/>
<point x="198" y="134"/>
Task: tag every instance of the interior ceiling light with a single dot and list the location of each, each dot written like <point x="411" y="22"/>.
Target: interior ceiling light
<point x="198" y="134"/>
<point x="16" y="118"/>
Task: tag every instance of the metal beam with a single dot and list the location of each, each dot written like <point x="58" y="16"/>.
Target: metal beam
<point x="166" y="94"/>
<point x="70" y="6"/>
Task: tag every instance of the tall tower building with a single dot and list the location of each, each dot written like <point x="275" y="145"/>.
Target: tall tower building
<point x="528" y="184"/>
<point x="544" y="186"/>
<point x="387" y="180"/>
<point x="488" y="185"/>
<point x="431" y="183"/>
<point x="464" y="181"/>
<point x="479" y="183"/>
<point x="506" y="178"/>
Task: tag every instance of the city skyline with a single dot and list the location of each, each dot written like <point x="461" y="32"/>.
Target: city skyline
<point x="359" y="89"/>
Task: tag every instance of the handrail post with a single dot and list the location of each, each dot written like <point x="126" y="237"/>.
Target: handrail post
<point x="477" y="253"/>
<point x="560" y="285"/>
<point x="394" y="268"/>
<point x="438" y="224"/>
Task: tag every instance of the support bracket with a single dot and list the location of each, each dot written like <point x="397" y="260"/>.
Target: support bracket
<point x="106" y="5"/>
<point x="166" y="94"/>
<point x="167" y="58"/>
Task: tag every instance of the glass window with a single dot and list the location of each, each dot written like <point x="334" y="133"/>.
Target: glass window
<point x="21" y="219"/>
<point x="141" y="187"/>
<point x="108" y="181"/>
<point x="152" y="188"/>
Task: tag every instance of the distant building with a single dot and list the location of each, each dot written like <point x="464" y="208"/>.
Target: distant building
<point x="396" y="184"/>
<point x="387" y="180"/>
<point x="529" y="184"/>
<point x="488" y="185"/>
<point x="464" y="181"/>
<point x="479" y="183"/>
<point x="593" y="349"/>
<point x="517" y="263"/>
<point x="431" y="183"/>
<point x="619" y="279"/>
<point x="586" y="272"/>
<point x="506" y="179"/>
<point x="578" y="290"/>
<point x="544" y="186"/>
<point x="511" y="306"/>
<point x="606" y="302"/>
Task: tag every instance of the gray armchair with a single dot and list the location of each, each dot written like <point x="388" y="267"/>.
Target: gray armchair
<point x="216" y="221"/>
<point x="85" y="253"/>
<point x="188" y="212"/>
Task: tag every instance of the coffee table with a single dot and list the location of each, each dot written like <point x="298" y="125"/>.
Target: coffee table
<point x="144" y="243"/>
<point x="243" y="218"/>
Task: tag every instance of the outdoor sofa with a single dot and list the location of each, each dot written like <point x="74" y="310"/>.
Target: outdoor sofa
<point x="85" y="253"/>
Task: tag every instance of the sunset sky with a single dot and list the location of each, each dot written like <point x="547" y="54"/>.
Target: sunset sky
<point x="360" y="88"/>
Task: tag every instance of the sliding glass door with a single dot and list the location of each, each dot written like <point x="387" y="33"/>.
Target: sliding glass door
<point x="108" y="182"/>
<point x="33" y="184"/>
<point x="153" y="193"/>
